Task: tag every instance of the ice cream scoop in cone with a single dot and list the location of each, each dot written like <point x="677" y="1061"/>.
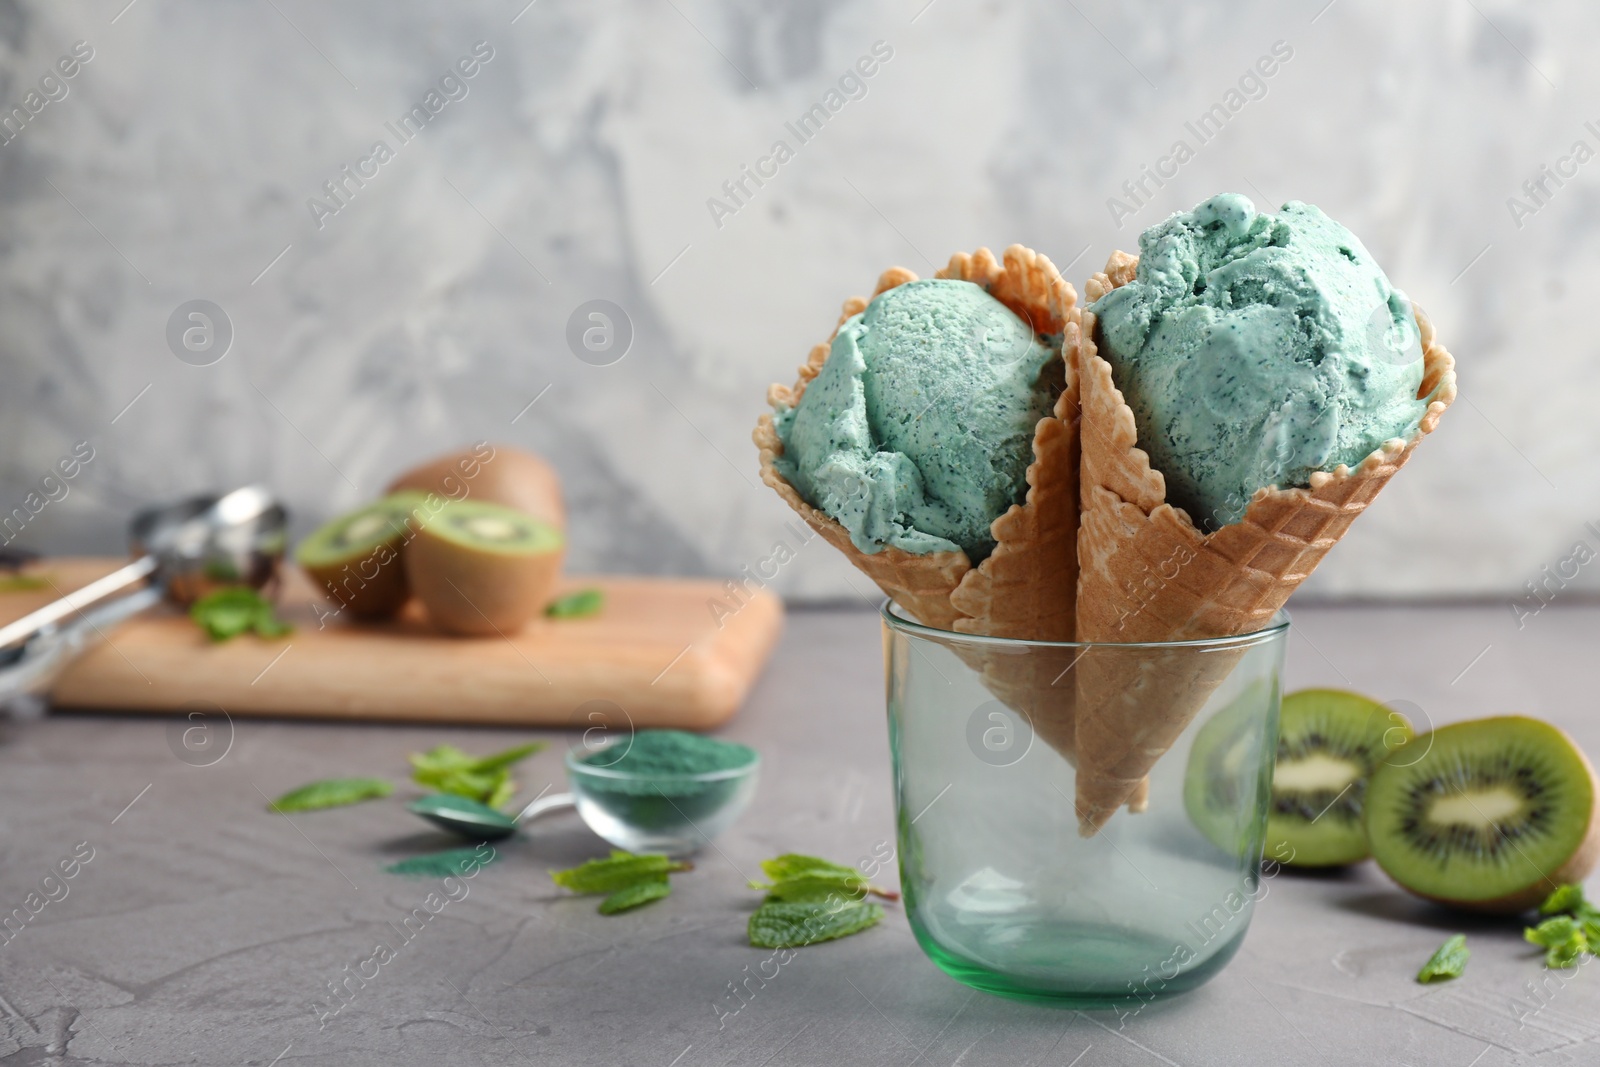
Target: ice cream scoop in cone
<point x="1026" y="587"/>
<point x="1148" y="574"/>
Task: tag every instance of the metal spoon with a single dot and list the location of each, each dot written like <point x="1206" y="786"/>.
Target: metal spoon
<point x="479" y="822"/>
<point x="185" y="550"/>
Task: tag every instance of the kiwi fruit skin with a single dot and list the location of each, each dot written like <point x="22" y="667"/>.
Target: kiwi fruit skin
<point x="370" y="581"/>
<point x="1392" y="855"/>
<point x="494" y="474"/>
<point x="1325" y="827"/>
<point x="484" y="588"/>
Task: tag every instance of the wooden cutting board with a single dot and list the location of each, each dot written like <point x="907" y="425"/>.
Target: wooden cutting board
<point x="656" y="651"/>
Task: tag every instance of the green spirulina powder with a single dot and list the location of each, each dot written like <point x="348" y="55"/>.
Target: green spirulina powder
<point x="452" y="862"/>
<point x="660" y="764"/>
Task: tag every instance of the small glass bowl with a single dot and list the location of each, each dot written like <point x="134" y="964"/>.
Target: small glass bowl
<point x="672" y="813"/>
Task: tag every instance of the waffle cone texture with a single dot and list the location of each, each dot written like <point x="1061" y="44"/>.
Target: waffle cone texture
<point x="1146" y="573"/>
<point x="1026" y="588"/>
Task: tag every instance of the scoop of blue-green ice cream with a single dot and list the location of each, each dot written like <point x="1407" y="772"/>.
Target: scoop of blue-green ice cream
<point x="1255" y="350"/>
<point x="918" y="432"/>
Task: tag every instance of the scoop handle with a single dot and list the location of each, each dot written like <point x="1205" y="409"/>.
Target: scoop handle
<point x="32" y="666"/>
<point x="543" y="805"/>
<point x="33" y="623"/>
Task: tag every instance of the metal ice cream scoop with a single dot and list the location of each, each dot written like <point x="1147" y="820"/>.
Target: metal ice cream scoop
<point x="479" y="822"/>
<point x="183" y="551"/>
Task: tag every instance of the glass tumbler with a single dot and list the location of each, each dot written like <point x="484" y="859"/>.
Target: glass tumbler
<point x="1003" y="889"/>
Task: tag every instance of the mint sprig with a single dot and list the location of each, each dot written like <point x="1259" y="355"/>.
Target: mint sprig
<point x="235" y="610"/>
<point x="1572" y="928"/>
<point x="810" y="899"/>
<point x="1448" y="961"/>
<point x="628" y="879"/>
<point x="1563" y="939"/>
<point x="618" y="871"/>
<point x="486" y="779"/>
<point x="798" y="878"/>
<point x="1565" y="900"/>
<point x="780" y="924"/>
<point x="583" y="603"/>
<point x="331" y="793"/>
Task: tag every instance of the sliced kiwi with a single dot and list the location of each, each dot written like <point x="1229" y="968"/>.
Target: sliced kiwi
<point x="1228" y="771"/>
<point x="481" y="568"/>
<point x="1329" y="741"/>
<point x="1492" y="815"/>
<point x="356" y="557"/>
<point x="494" y="474"/>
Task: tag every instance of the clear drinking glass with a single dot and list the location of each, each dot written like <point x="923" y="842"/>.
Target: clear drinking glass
<point x="1001" y="889"/>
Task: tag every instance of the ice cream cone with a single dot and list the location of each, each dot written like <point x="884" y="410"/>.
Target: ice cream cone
<point x="1146" y="573"/>
<point x="1026" y="588"/>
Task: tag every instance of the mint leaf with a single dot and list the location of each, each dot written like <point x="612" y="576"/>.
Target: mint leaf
<point x="1552" y="932"/>
<point x="1447" y="962"/>
<point x="444" y="758"/>
<point x="441" y="757"/>
<point x="486" y="779"/>
<point x="503" y="791"/>
<point x="222" y="620"/>
<point x="501" y="760"/>
<point x="794" y="925"/>
<point x="621" y="870"/>
<point x="814" y="888"/>
<point x="796" y="877"/>
<point x="229" y="612"/>
<point x="1588" y="917"/>
<point x="1566" y="900"/>
<point x="638" y="893"/>
<point x="576" y="605"/>
<point x="1562" y="938"/>
<point x="795" y="864"/>
<point x="462" y="783"/>
<point x="268" y="624"/>
<point x="1560" y="957"/>
<point x="331" y="793"/>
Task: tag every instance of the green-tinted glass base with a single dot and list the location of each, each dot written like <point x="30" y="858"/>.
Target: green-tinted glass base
<point x="1079" y="966"/>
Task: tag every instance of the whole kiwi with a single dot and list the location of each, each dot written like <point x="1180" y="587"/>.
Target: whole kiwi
<point x="493" y="474"/>
<point x="483" y="569"/>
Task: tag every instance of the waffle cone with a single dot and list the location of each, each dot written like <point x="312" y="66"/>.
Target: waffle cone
<point x="1026" y="588"/>
<point x="1146" y="573"/>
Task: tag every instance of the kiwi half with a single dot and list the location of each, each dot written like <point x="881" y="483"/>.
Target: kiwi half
<point x="1329" y="741"/>
<point x="1493" y="816"/>
<point x="493" y="474"/>
<point x="356" y="557"/>
<point x="1227" y="772"/>
<point x="483" y="569"/>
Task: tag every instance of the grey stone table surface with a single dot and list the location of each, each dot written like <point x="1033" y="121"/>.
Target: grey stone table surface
<point x="198" y="928"/>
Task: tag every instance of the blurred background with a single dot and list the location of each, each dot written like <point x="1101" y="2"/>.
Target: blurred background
<point x="362" y="307"/>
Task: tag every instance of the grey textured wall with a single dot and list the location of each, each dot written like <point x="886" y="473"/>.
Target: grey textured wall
<point x="577" y="163"/>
